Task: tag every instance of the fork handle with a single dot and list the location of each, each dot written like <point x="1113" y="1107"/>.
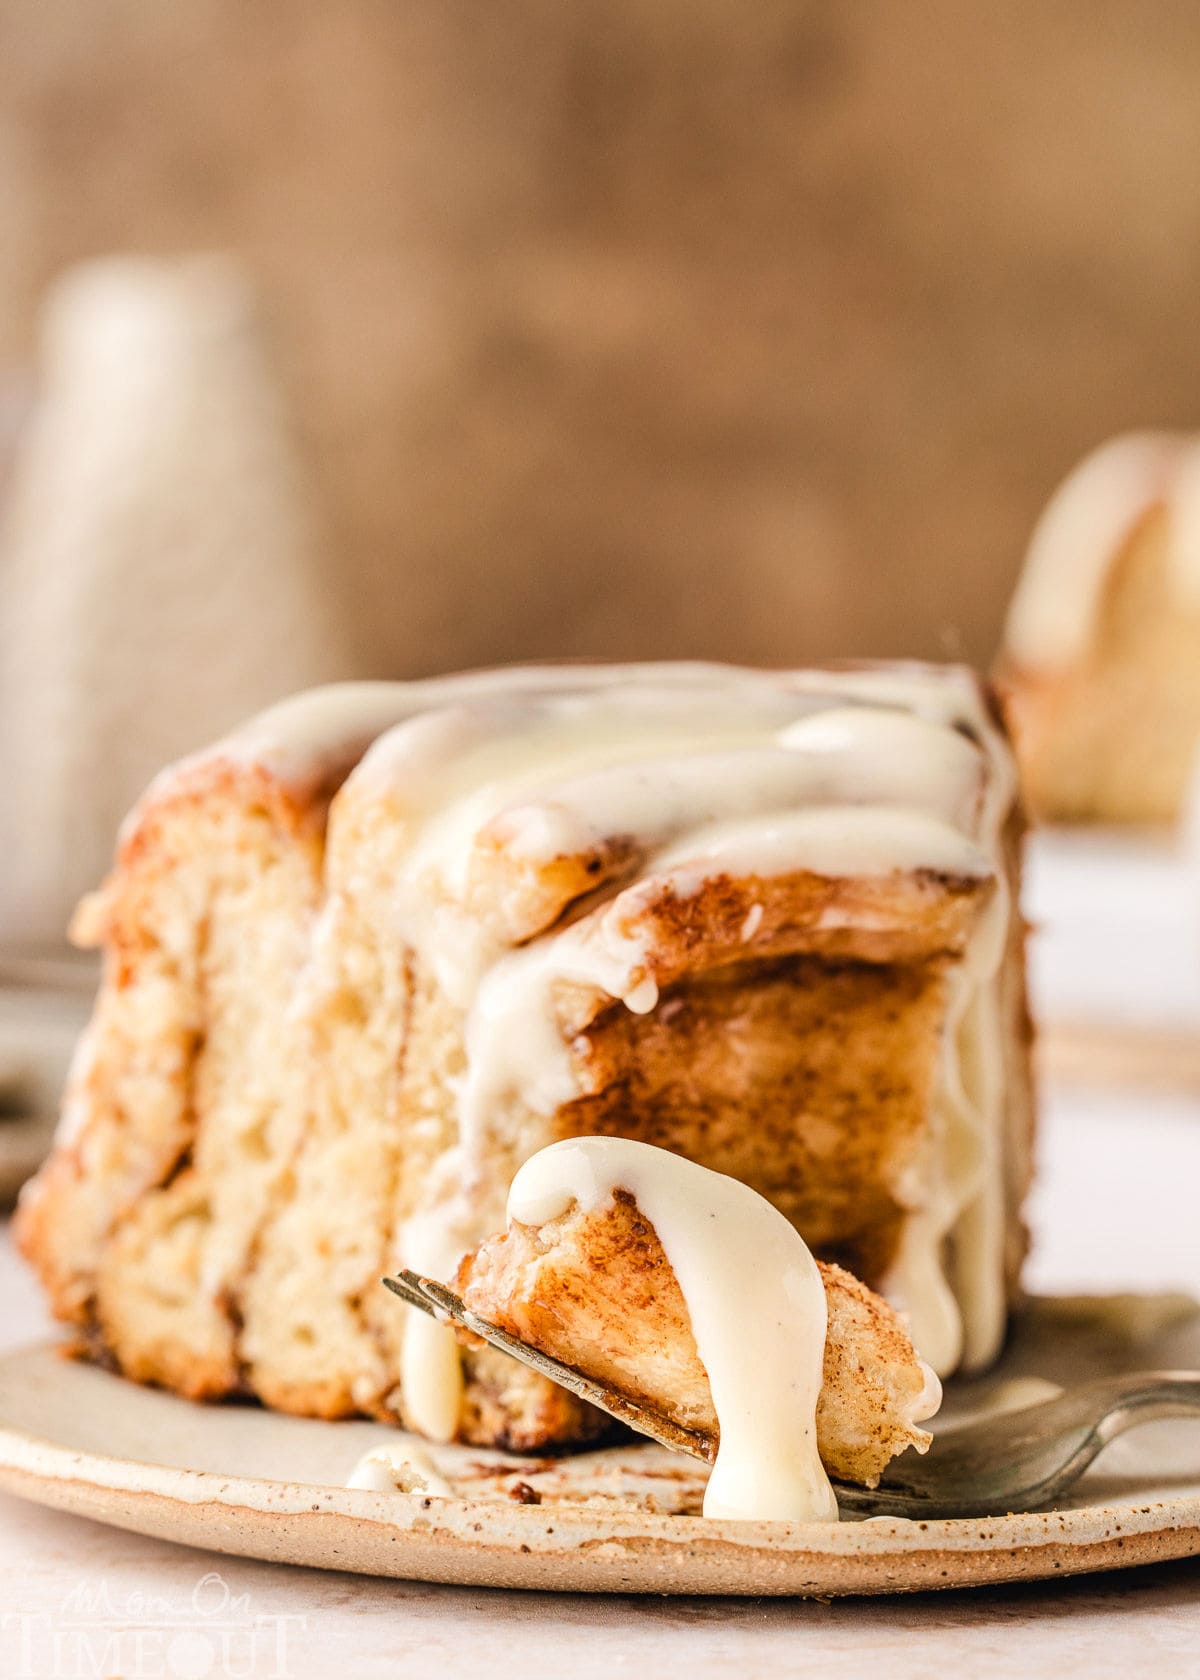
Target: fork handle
<point x="1160" y="1394"/>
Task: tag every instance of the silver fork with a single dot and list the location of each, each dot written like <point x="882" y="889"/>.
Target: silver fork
<point x="1016" y="1461"/>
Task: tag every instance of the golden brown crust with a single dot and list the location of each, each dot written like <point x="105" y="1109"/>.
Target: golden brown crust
<point x="506" y="1406"/>
<point x="907" y="916"/>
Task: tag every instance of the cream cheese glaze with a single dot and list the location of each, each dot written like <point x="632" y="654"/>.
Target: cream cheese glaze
<point x="513" y="1040"/>
<point x="688" y="770"/>
<point x="1084" y="528"/>
<point x="755" y="1300"/>
<point x="393" y="1468"/>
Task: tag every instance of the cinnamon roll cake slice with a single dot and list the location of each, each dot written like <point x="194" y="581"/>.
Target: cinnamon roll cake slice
<point x="369" y="955"/>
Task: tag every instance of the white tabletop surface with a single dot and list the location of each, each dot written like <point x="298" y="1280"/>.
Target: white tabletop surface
<point x="1115" y="920"/>
<point x="1115" y="1208"/>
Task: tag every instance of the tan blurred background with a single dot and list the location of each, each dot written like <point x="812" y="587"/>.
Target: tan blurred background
<point x="650" y="327"/>
<point x="643" y="328"/>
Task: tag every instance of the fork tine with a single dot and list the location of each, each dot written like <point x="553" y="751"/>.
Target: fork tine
<point x="404" y="1286"/>
<point x="434" y="1298"/>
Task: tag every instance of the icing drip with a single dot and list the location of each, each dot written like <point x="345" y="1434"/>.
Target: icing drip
<point x="431" y="1377"/>
<point x="956" y="1313"/>
<point x="755" y="1300"/>
<point x="514" y="1046"/>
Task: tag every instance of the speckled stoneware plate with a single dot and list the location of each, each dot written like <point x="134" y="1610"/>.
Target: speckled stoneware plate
<point x="237" y="1479"/>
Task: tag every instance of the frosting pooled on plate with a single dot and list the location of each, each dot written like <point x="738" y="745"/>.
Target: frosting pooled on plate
<point x="398" y="1468"/>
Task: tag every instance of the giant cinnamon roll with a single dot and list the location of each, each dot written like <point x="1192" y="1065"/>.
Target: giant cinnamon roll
<point x="370" y="954"/>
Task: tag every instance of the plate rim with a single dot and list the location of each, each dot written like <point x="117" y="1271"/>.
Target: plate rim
<point x="576" y="1548"/>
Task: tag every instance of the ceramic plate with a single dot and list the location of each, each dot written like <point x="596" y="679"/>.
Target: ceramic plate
<point x="241" y="1480"/>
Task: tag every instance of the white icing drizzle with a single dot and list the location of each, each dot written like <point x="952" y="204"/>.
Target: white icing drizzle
<point x="515" y="1049"/>
<point x="308" y="736"/>
<point x="755" y="1300"/>
<point x="957" y="1310"/>
<point x="831" y="840"/>
<point x="431" y="1374"/>
<point x="840" y="756"/>
<point x="1084" y="528"/>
